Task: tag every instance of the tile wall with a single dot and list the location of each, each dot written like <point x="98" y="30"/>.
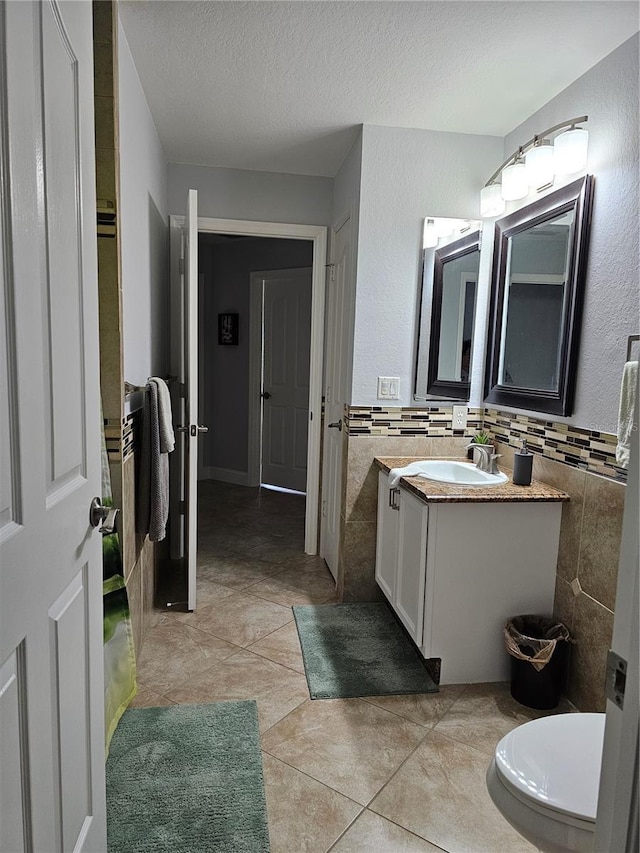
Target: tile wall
<point x="582" y="463"/>
<point x="579" y="462"/>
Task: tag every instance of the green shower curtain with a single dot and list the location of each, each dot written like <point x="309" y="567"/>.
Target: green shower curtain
<point x="119" y="657"/>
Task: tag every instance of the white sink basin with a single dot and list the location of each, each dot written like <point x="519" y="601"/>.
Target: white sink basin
<point x="459" y="473"/>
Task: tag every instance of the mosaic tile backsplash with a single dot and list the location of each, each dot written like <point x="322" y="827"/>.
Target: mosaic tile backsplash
<point x="385" y="420"/>
<point x="588" y="450"/>
<point x="119" y="436"/>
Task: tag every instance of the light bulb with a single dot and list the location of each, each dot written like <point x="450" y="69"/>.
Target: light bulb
<point x="491" y="201"/>
<point x="429" y="235"/>
<point x="514" y="181"/>
<point x="539" y="163"/>
<point x="571" y="151"/>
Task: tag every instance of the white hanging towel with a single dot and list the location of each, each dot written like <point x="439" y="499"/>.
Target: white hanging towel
<point x="626" y="425"/>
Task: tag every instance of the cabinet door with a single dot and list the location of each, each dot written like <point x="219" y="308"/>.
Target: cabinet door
<point x="412" y="555"/>
<point x="387" y="537"/>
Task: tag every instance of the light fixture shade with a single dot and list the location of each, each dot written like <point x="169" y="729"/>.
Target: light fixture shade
<point x="429" y="235"/>
<point x="514" y="181"/>
<point x="491" y="201"/>
<point x="539" y="162"/>
<point x="571" y="151"/>
<point x="445" y="227"/>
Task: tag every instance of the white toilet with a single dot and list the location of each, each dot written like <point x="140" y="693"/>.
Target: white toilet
<point x="544" y="779"/>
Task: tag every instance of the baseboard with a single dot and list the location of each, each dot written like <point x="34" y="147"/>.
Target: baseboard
<point x="225" y="475"/>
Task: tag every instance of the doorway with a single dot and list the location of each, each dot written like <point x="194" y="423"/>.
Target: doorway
<point x="254" y="355"/>
<point x="310" y="244"/>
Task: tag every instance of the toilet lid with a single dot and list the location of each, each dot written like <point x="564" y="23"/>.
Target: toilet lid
<point x="555" y="762"/>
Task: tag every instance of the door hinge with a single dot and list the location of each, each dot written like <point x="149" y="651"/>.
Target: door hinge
<point x="616" y="678"/>
<point x="332" y="271"/>
<point x="182" y="390"/>
<point x="181" y="266"/>
<point x="182" y="507"/>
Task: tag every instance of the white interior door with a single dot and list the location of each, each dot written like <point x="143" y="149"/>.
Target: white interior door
<point x="335" y="395"/>
<point x="183" y="483"/>
<point x="285" y="386"/>
<point x="617" y="818"/>
<point x="52" y="790"/>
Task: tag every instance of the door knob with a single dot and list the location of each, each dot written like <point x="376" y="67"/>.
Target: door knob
<point x="265" y="395"/>
<point x="104" y="516"/>
<point x="336" y="425"/>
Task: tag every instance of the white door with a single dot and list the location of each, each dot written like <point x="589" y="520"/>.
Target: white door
<point x="617" y="817"/>
<point x="52" y="789"/>
<point x="183" y="484"/>
<point x="285" y="386"/>
<point x="335" y="394"/>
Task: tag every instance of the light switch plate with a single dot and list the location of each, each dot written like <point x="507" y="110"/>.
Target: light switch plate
<point x="459" y="417"/>
<point x="388" y="387"/>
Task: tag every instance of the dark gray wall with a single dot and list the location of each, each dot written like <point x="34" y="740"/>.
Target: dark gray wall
<point x="224" y="406"/>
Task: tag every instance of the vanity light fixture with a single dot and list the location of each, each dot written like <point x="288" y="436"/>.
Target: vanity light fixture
<point x="570" y="154"/>
<point x="445" y="227"/>
<point x="438" y="228"/>
<point x="430" y="236"/>
<point x="491" y="201"/>
<point x="535" y="164"/>
<point x="539" y="163"/>
<point x="514" y="179"/>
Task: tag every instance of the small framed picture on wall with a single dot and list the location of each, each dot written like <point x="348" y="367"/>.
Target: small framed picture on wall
<point x="228" y="329"/>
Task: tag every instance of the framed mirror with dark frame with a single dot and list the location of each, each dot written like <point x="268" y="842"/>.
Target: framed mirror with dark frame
<point x="453" y="307"/>
<point x="538" y="276"/>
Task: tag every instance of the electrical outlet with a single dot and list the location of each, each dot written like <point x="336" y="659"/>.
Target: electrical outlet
<point x="388" y="387"/>
<point x="459" y="417"/>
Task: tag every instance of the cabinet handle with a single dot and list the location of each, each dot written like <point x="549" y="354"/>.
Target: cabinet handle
<point x="392" y="498"/>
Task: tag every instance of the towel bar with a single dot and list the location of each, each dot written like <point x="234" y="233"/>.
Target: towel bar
<point x="630" y="340"/>
<point x="130" y="388"/>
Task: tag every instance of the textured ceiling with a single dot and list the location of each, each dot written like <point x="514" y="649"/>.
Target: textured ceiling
<point x="281" y="86"/>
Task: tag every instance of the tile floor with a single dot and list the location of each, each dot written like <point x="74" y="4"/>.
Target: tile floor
<point x="377" y="775"/>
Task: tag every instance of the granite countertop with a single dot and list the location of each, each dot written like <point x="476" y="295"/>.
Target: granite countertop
<point x="431" y="490"/>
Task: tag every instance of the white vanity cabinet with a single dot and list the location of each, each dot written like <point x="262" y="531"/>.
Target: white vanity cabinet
<point x="401" y="554"/>
<point x="455" y="571"/>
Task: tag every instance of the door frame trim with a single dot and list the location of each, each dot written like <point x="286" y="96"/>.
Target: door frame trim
<point x="347" y="216"/>
<point x="255" y="364"/>
<point x="317" y="234"/>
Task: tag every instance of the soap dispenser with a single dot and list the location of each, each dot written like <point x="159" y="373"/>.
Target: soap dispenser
<point x="522" y="466"/>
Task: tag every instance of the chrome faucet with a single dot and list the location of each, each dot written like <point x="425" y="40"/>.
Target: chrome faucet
<point x="487" y="458"/>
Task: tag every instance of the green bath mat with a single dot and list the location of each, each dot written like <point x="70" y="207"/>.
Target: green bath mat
<point x="187" y="779"/>
<point x="354" y="650"/>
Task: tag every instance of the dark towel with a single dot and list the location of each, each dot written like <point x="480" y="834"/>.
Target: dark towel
<point x="153" y="482"/>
